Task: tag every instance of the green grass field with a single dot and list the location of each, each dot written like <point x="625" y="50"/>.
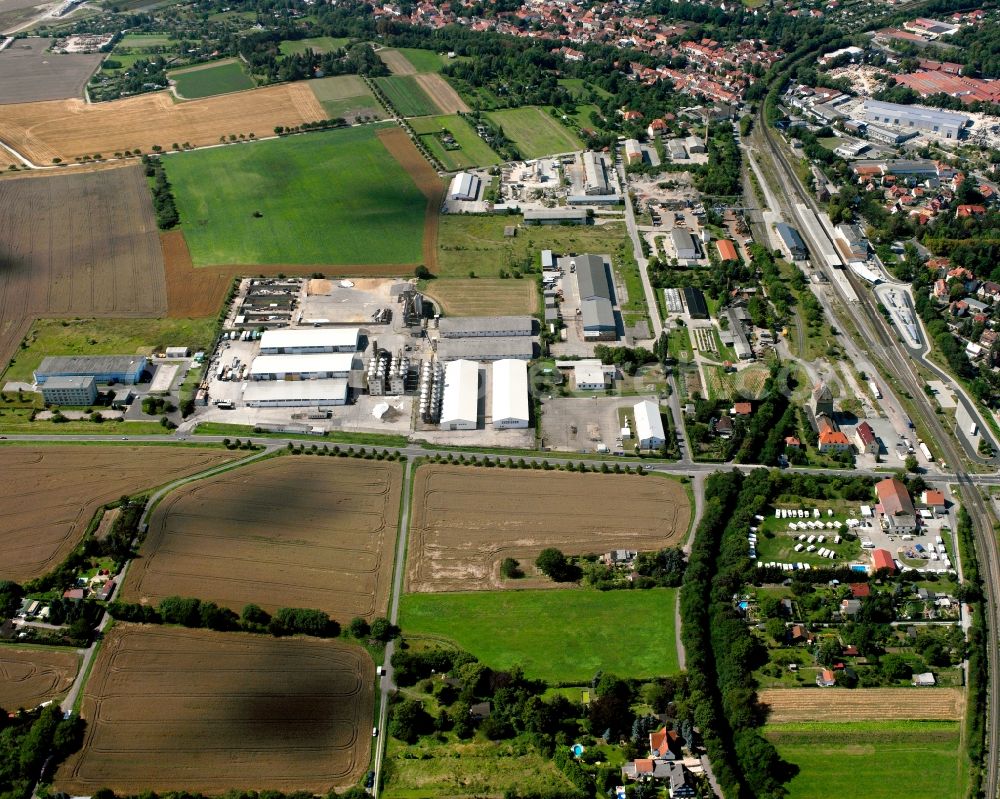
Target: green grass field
<point x="561" y="636"/>
<point x="407" y="96"/>
<point x="126" y="61"/>
<point x="319" y="44"/>
<point x="106" y="337"/>
<point x="335" y="197"/>
<point x="535" y="132"/>
<point x="424" y="60"/>
<point x="876" y="760"/>
<point x="474" y="151"/>
<point x="144" y="41"/>
<point x="346" y="96"/>
<point x="208" y="80"/>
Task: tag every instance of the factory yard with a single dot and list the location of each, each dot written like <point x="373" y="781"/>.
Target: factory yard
<point x="28" y="73"/>
<point x="68" y="129"/>
<point x="287" y="532"/>
<point x="222" y="711"/>
<point x="466" y="520"/>
<point x="29" y="677"/>
<point x="51" y="494"/>
<point x="862" y="704"/>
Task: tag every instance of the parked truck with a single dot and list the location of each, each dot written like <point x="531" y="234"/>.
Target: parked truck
<point x="926" y="450"/>
<point x="875" y="389"/>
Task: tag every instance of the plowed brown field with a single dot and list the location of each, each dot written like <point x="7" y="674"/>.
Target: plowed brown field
<point x="427" y="180"/>
<point x="466" y="520"/>
<point x="442" y="93"/>
<point x="169" y="707"/>
<point x="288" y="532"/>
<point x="29" y="677"/>
<point x="50" y="494"/>
<point x="70" y="128"/>
<point x="398" y="63"/>
<point x="77" y="244"/>
<point x="862" y="704"/>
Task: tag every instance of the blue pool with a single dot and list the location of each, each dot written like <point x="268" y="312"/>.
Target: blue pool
<point x="576" y="749"/>
<point x="859" y="568"/>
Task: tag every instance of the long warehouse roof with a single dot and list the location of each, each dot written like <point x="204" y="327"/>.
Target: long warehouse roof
<point x="648" y="423"/>
<point x="461" y="392"/>
<point x="287" y="338"/>
<point x="297" y="364"/>
<point x="484" y="325"/>
<point x="486" y="348"/>
<point x="510" y="389"/>
<point x="330" y="390"/>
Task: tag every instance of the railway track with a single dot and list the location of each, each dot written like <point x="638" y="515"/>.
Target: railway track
<point x="881" y="344"/>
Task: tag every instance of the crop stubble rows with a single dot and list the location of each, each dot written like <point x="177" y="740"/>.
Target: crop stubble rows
<point x="50" y="494"/>
<point x="862" y="704"/>
<point x="169" y="707"/>
<point x="287" y="532"/>
<point x="467" y="520"/>
<point x="29" y="677"/>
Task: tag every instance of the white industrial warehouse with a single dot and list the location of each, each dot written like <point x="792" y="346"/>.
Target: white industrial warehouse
<point x="295" y="393"/>
<point x="464" y="186"/>
<point x="315" y="366"/>
<point x="648" y="425"/>
<point x="472" y="326"/>
<point x="510" y="394"/>
<point x="460" y="405"/>
<point x="303" y="341"/>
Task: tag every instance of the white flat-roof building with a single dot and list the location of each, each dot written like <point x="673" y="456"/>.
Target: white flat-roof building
<point x="70" y="390"/>
<point x="946" y="124"/>
<point x="465" y="326"/>
<point x="295" y="393"/>
<point x="510" y="394"/>
<point x="648" y="425"/>
<point x="595" y="176"/>
<point x="460" y="404"/>
<point x="486" y="348"/>
<point x="464" y="186"/>
<point x="315" y="366"/>
<point x="302" y="341"/>
<point x="590" y="375"/>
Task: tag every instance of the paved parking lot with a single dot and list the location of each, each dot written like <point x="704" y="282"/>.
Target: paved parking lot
<point x="595" y="421"/>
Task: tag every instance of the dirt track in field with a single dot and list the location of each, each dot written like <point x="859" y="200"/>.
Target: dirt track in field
<point x="466" y="520"/>
<point x="50" y="494"/>
<point x="427" y="180"/>
<point x="398" y="63"/>
<point x="443" y="95"/>
<point x="169" y="707"/>
<point x="306" y="532"/>
<point x="29" y="677"/>
<point x="862" y="704"/>
<point x="69" y="129"/>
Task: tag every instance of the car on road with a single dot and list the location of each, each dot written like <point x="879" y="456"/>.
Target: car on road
<point x="374" y="732"/>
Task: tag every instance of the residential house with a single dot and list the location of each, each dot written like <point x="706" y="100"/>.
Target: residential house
<point x="724" y="427"/>
<point x="849" y="608"/>
<point x="925" y="680"/>
<point x="742" y="409"/>
<point x="865" y="438"/>
<point x="665" y="744"/>
<point x="480" y="711"/>
<point x="934" y="500"/>
<point x="833" y="441"/>
<point x="825" y="679"/>
<point x="860" y="590"/>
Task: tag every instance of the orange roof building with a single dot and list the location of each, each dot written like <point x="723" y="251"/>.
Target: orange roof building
<point x="727" y="252"/>
<point x="882" y="559"/>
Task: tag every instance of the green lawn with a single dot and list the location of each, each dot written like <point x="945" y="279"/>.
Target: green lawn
<point x="17" y="422"/>
<point x="145" y="41"/>
<point x="406" y="95"/>
<point x="320" y="44"/>
<point x="424" y="60"/>
<point x="334" y="197"/>
<point x="876" y="760"/>
<point x="126" y="61"/>
<point x="474" y="151"/>
<point x="561" y="636"/>
<point x="535" y="132"/>
<point x="581" y="117"/>
<point x="106" y="337"/>
<point x="208" y="80"/>
<point x="240" y="430"/>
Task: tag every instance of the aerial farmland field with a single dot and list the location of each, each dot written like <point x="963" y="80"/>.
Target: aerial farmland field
<point x="206" y="80"/>
<point x="348" y="97"/>
<point x="29" y="73"/>
<point x="319" y="44"/>
<point x="535" y="132"/>
<point x="862" y="704"/>
<point x="502" y="629"/>
<point x="466" y="520"/>
<point x="407" y="95"/>
<point x="292" y="531"/>
<point x="50" y="494"/>
<point x="473" y="150"/>
<point x="335" y="197"/>
<point x="484" y="296"/>
<point x="214" y="711"/>
<point x="29" y="677"/>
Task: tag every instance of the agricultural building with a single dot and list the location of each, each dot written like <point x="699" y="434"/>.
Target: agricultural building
<point x="595" y="175"/>
<point x="295" y="393"/>
<point x="317" y="366"/>
<point x="944" y="124"/>
<point x="648" y="425"/>
<point x="727" y="252"/>
<point x="126" y="369"/>
<point x="591" y="277"/>
<point x="898" y="513"/>
<point x="75" y="390"/>
<point x="510" y="394"/>
<point x="882" y="559"/>
<point x="791" y="241"/>
<point x="555" y="216"/>
<point x="468" y="326"/>
<point x="590" y="375"/>
<point x="460" y="405"/>
<point x="464" y="186"/>
<point x="486" y="348"/>
<point x="304" y="341"/>
<point x="684" y="245"/>
<point x="598" y="317"/>
<point x="694" y="299"/>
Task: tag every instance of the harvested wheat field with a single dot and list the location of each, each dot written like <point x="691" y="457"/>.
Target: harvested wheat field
<point x="29" y="677"/>
<point x="68" y="129"/>
<point x="77" y="244"/>
<point x="398" y="63"/>
<point x="303" y="532"/>
<point x="168" y="707"/>
<point x="862" y="704"/>
<point x="50" y="494"/>
<point x="442" y="93"/>
<point x="466" y="520"/>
